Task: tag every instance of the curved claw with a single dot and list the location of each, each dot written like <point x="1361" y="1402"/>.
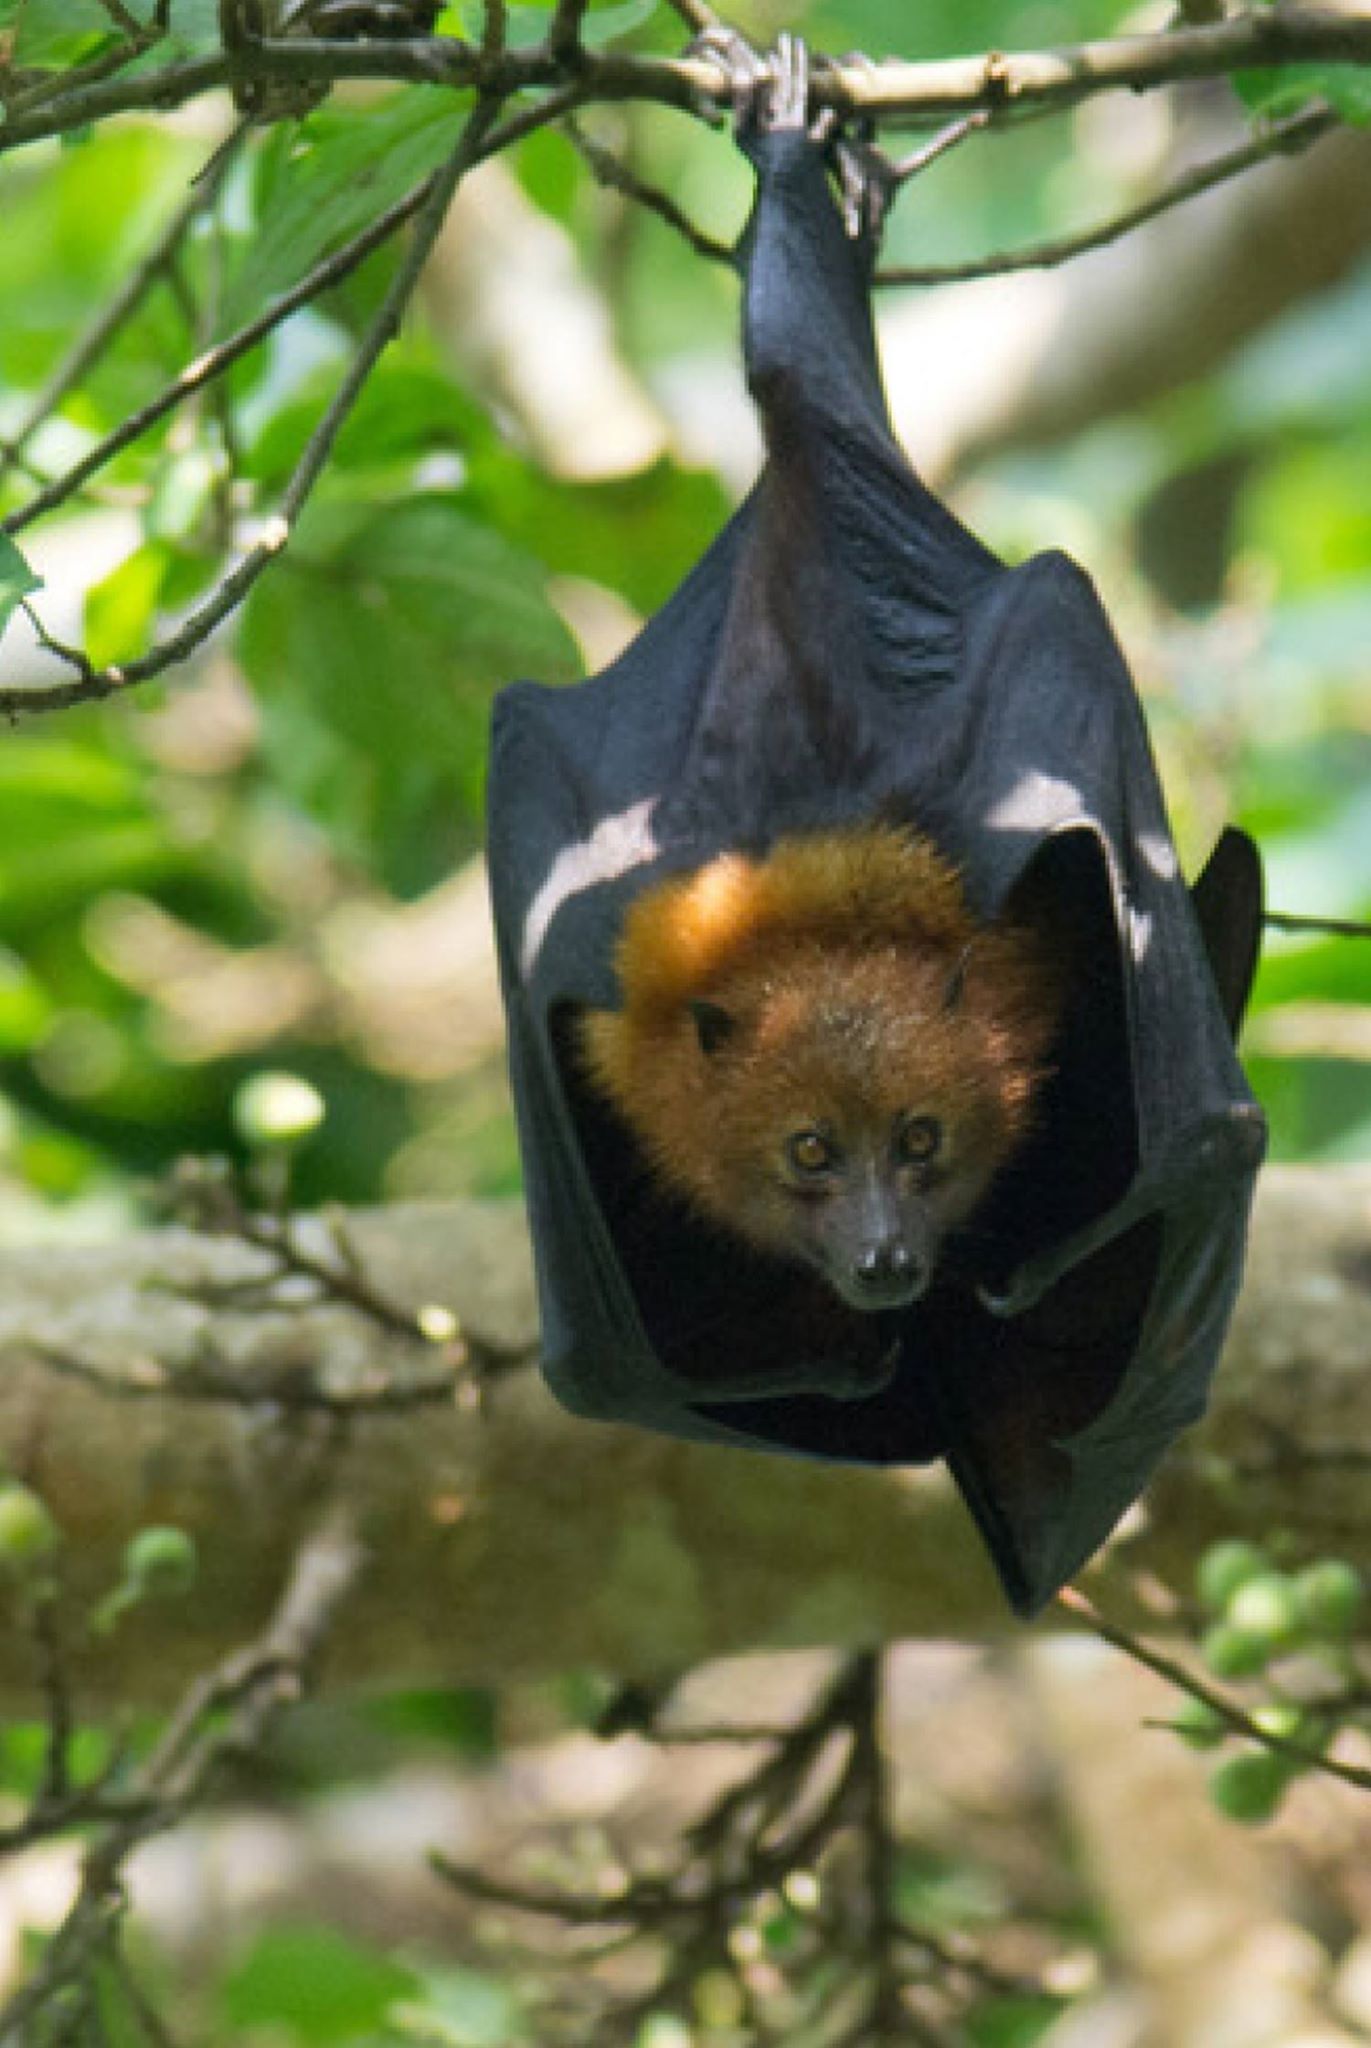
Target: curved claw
<point x="867" y="182"/>
<point x="746" y="72"/>
<point x="766" y="93"/>
<point x="786" y="103"/>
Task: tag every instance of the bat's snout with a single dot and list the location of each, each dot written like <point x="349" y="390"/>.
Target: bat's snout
<point x="887" y="1275"/>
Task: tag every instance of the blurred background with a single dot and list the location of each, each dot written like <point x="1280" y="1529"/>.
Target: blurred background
<point x="271" y="859"/>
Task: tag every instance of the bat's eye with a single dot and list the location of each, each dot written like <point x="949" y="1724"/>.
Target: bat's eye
<point x="809" y="1152"/>
<point x="920" y="1139"/>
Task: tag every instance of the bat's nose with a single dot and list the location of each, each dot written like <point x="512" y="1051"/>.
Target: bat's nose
<point x="889" y="1275"/>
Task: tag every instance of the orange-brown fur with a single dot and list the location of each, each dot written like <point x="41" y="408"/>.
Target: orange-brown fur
<point x="836" y="955"/>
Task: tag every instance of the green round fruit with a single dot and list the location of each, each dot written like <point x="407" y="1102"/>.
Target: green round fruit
<point x="1249" y="1787"/>
<point x="161" y="1560"/>
<point x="1198" y="1724"/>
<point x="277" y="1109"/>
<point x="1329" y="1596"/>
<point x="1266" y="1606"/>
<point x="28" y="1534"/>
<point x="1281" y="1718"/>
<point x="1235" y="1652"/>
<point x="1223" y="1568"/>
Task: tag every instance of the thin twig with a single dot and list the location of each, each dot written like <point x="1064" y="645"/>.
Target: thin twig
<point x="91" y="684"/>
<point x="564" y="32"/>
<point x="83" y="1808"/>
<point x="150" y="2022"/>
<point x="609" y="170"/>
<point x="1335" y="927"/>
<point x="955" y="1954"/>
<point x="906" y="167"/>
<point x="270" y="1675"/>
<point x="222" y="1714"/>
<point x="848" y="1977"/>
<point x="55" y="1784"/>
<point x="129" y="23"/>
<point x="207" y="1378"/>
<point x="93" y="343"/>
<point x="1237" y="1717"/>
<point x="884" y="2011"/>
<point x="208" y="1196"/>
<point x="495" y="34"/>
<point x="215" y="361"/>
<point x="696" y="14"/>
<point x="1286" y="137"/>
<point x="27" y="107"/>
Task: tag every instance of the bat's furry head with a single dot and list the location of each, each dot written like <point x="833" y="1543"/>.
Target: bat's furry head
<point x="825" y="1052"/>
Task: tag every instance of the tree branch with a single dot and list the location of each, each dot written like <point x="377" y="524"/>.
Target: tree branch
<point x="97" y="338"/>
<point x="887" y="91"/>
<point x="1286" y="137"/>
<point x="428" y="203"/>
<point x="628" y="1550"/>
<point x="616" y="176"/>
<point x="1196" y="1686"/>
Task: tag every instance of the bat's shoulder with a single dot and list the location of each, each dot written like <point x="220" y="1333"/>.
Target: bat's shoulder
<point x="531" y="725"/>
<point x="522" y="713"/>
<point x="1056" y="576"/>
<point x="1049" y="604"/>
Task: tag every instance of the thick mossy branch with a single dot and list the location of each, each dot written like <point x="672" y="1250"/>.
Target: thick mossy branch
<point x="516" y="1540"/>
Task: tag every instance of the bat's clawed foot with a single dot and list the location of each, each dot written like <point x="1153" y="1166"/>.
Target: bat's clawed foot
<point x="745" y="70"/>
<point x="867" y="181"/>
<point x="772" y="94"/>
<point x="765" y="93"/>
<point x="786" y="102"/>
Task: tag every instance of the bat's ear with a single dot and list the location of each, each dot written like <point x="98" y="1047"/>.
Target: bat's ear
<point x="955" y="986"/>
<point x="713" y="1026"/>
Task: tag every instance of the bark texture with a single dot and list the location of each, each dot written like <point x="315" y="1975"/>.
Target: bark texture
<point x="521" y="1541"/>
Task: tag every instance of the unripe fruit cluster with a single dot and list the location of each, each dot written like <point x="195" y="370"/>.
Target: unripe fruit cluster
<point x="1259" y="1614"/>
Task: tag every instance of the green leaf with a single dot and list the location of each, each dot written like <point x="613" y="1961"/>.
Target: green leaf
<point x="194" y="26"/>
<point x="184" y="487"/>
<point x="58" y="31"/>
<point x="1014" y="2022"/>
<point x="24" y="1747"/>
<point x="73" y="822"/>
<point x="342" y="171"/>
<point x="17" y="579"/>
<point x="460" y="2009"/>
<point x="54" y="1165"/>
<point x="605" y="20"/>
<point x="377" y="646"/>
<point x="639" y="535"/>
<point x="120" y="609"/>
<point x="321" y="1987"/>
<point x="462" y="1718"/>
<point x="1279" y="90"/>
<point x="25" y="1011"/>
<point x="406" y="410"/>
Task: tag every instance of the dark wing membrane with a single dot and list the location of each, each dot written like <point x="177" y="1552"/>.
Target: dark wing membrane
<point x="1228" y="900"/>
